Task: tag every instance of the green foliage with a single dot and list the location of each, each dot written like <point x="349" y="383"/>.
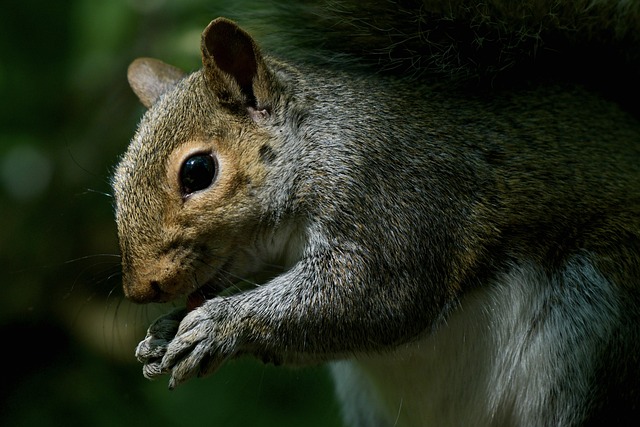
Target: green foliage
<point x="66" y="113"/>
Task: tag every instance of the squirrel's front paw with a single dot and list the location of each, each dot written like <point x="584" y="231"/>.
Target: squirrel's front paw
<point x="205" y="339"/>
<point x="152" y="349"/>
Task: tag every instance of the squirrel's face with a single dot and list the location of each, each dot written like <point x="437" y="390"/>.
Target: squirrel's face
<point x="186" y="209"/>
<point x="186" y="191"/>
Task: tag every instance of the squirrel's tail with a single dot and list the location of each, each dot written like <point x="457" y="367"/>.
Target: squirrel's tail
<point x="464" y="40"/>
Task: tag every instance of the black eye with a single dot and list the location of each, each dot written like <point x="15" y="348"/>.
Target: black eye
<point x="197" y="173"/>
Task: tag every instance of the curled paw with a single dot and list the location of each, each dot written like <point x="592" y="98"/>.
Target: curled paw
<point x="204" y="340"/>
<point x="152" y="349"/>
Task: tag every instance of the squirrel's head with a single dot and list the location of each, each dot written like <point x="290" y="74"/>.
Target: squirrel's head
<point x="187" y="190"/>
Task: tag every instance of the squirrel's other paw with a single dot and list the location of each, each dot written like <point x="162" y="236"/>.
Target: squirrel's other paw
<point x="151" y="350"/>
<point x="205" y="339"/>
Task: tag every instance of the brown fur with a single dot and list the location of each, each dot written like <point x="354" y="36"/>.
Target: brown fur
<point x="402" y="216"/>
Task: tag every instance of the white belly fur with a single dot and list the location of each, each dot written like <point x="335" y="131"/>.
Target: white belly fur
<point x="517" y="352"/>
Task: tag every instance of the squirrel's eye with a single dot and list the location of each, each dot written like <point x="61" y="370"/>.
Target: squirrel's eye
<point x="197" y="173"/>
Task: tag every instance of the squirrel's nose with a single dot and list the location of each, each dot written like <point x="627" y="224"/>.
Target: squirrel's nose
<point x="142" y="289"/>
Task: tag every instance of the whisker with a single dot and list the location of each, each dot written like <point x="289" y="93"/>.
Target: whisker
<point x="92" y="191"/>
<point x="111" y="276"/>
<point x="228" y="273"/>
<point x="105" y="337"/>
<point x="86" y="257"/>
<point x="113" y="270"/>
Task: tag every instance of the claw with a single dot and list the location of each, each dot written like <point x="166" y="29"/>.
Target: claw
<point x="152" y="370"/>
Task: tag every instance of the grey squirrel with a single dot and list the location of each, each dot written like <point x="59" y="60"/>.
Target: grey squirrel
<point x="459" y="255"/>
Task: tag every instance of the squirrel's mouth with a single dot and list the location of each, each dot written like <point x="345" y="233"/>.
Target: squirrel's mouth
<point x="214" y="286"/>
<point x="203" y="293"/>
<point x="223" y="283"/>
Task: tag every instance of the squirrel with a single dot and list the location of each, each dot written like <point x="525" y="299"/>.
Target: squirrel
<point x="459" y="253"/>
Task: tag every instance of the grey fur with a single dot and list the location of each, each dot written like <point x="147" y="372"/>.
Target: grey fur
<point x="393" y="208"/>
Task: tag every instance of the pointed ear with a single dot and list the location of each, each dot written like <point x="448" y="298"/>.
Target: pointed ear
<point x="149" y="78"/>
<point x="230" y="52"/>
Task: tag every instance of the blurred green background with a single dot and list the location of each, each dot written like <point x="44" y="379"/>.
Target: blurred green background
<point x="66" y="115"/>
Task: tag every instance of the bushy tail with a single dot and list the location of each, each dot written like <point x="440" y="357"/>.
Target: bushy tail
<point x="462" y="40"/>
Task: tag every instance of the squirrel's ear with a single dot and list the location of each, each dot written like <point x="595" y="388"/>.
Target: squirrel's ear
<point x="229" y="49"/>
<point x="149" y="78"/>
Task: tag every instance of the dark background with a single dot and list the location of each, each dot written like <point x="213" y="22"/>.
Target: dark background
<point x="68" y="334"/>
